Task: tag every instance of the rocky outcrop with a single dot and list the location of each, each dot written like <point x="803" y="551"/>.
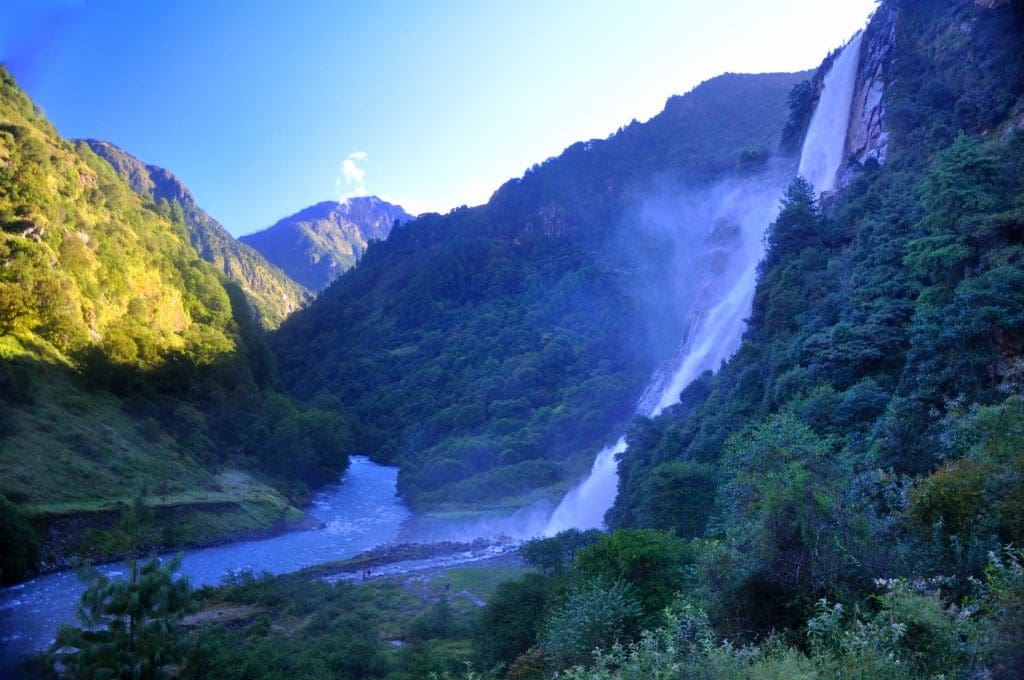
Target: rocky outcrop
<point x="867" y="136"/>
<point x="316" y="245"/>
<point x="991" y="4"/>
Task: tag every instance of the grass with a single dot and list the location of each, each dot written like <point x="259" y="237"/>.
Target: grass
<point x="297" y="626"/>
<point x="68" y="445"/>
<point x="72" y="460"/>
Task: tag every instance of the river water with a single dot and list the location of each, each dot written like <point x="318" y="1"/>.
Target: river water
<point x="360" y="512"/>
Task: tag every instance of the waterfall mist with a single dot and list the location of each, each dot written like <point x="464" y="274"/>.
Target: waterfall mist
<point x="733" y="216"/>
<point x="718" y="232"/>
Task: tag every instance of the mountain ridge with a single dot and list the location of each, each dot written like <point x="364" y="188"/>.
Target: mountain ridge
<point x="271" y="292"/>
<point x="318" y="243"/>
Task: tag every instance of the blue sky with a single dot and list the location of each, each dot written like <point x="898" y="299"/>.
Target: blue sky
<point x="263" y="108"/>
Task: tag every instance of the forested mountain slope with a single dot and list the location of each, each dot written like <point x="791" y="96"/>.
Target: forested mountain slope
<point x="317" y="244"/>
<point x="870" y="426"/>
<point x="128" y="365"/>
<point x="269" y="290"/>
<point x="483" y="349"/>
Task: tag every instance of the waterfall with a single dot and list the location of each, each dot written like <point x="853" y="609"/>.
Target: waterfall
<point x="825" y="141"/>
<point x="716" y="324"/>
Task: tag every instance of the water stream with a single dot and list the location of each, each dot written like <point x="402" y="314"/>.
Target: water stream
<point x="717" y="321"/>
<point x="360" y="512"/>
<point x="363" y="510"/>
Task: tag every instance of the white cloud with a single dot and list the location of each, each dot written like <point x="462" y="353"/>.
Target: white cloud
<point x="351" y="177"/>
<point x="353" y="173"/>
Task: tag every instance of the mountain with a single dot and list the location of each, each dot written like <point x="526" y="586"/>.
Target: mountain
<point x="129" y="367"/>
<point x="314" y="246"/>
<point x="490" y="351"/>
<point x="270" y="292"/>
<point x="868" y="430"/>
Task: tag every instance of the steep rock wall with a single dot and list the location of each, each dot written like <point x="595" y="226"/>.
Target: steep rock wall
<point x="867" y="136"/>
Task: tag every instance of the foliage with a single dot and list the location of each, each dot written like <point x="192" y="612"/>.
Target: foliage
<point x="1000" y="637"/>
<point x="596" y="615"/>
<point x="141" y="614"/>
<point x="143" y="360"/>
<point x="483" y="350"/>
<point x="554" y="556"/>
<point x="652" y="563"/>
<point x="268" y="290"/>
<point x="678" y="496"/>
<point x="513" y="619"/>
<point x="19" y="545"/>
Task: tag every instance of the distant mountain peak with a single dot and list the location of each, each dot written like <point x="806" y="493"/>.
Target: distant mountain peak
<point x="318" y="243"/>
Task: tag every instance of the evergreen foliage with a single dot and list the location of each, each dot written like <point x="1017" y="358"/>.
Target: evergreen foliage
<point x="141" y="613"/>
<point x="124" y="355"/>
<point x="484" y="351"/>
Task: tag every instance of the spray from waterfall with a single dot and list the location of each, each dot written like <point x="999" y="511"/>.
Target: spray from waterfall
<point x="716" y="323"/>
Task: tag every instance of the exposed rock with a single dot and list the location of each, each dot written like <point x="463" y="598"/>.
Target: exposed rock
<point x="868" y="136"/>
<point x="991" y="4"/>
<point x="316" y="245"/>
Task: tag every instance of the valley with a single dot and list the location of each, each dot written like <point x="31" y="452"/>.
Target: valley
<point x="734" y="392"/>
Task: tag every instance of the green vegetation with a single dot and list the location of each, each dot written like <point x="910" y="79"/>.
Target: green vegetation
<point x="269" y="291"/>
<point x="844" y="498"/>
<point x="296" y="628"/>
<point x="141" y="614"/>
<point x="125" y="360"/>
<point x="484" y="351"/>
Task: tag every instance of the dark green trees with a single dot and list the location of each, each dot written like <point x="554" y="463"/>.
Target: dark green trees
<point x="19" y="546"/>
<point x="141" y="613"/>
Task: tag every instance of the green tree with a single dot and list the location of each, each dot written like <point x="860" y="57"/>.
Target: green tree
<point x="141" y="613"/>
<point x="652" y="562"/>
<point x="512" y="620"/>
<point x="962" y="184"/>
<point x="19" y="546"/>
<point x="784" y="508"/>
<point x="554" y="556"/>
<point x="597" y="615"/>
<point x="679" y="497"/>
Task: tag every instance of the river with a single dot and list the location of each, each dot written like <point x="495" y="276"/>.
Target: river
<point x="360" y="512"/>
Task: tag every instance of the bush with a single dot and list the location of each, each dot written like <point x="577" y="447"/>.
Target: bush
<point x="19" y="545"/>
<point x="652" y="562"/>
<point x="595" y="616"/>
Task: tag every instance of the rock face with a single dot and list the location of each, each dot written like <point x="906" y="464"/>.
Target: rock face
<point x="867" y="136"/>
<point x="316" y="245"/>
<point x="269" y="291"/>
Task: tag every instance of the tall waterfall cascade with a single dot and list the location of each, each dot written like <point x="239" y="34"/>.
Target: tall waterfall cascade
<point x="716" y="324"/>
<point x="825" y="141"/>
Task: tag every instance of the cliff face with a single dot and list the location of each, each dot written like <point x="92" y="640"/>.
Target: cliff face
<point x="868" y="136"/>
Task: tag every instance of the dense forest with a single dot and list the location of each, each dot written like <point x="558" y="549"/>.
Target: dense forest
<point x="842" y="498"/>
<point x="128" y="361"/>
<point x="270" y="292"/>
<point x="486" y="351"/>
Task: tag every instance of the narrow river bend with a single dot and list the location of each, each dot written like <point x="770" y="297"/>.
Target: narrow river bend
<point x="360" y="512"/>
